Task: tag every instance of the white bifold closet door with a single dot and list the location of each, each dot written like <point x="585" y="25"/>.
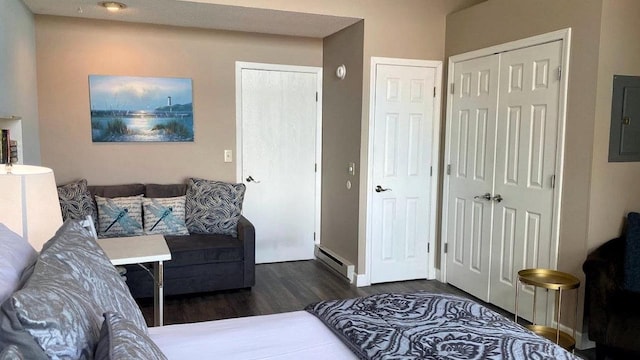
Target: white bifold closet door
<point x="502" y="153"/>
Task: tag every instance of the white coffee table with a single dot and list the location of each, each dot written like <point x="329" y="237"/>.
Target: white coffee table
<point x="137" y="250"/>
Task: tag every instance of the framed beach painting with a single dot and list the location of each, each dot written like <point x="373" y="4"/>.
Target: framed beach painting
<point x="140" y="109"/>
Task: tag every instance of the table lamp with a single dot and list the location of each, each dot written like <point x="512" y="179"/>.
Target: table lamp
<point x="29" y="202"/>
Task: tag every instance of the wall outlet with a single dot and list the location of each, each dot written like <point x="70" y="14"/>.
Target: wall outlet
<point x="228" y="156"/>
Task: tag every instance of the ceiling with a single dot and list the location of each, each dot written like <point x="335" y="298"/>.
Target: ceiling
<point x="200" y="15"/>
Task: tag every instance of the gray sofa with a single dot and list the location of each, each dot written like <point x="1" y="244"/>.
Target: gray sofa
<point x="200" y="262"/>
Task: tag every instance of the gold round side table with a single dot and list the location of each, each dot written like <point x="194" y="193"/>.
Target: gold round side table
<point x="552" y="280"/>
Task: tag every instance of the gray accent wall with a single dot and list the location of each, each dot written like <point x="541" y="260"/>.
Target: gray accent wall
<point x="341" y="118"/>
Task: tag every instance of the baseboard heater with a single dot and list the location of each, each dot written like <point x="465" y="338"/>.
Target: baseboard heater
<point x="336" y="262"/>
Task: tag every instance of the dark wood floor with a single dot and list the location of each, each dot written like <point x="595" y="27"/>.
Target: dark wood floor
<point x="282" y="287"/>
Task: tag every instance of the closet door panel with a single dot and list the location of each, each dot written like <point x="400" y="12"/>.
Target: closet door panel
<point x="524" y="166"/>
<point x="473" y="128"/>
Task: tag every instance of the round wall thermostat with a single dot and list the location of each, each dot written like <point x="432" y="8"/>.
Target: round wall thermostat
<point x="341" y="72"/>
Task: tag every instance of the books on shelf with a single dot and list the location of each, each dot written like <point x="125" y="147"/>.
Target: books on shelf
<point x="13" y="151"/>
<point x="8" y="148"/>
<point x="4" y="158"/>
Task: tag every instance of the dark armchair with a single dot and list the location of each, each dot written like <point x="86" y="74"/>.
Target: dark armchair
<point x="613" y="313"/>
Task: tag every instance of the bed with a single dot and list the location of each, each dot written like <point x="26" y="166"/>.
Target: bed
<point x="292" y="335"/>
<point x="382" y="326"/>
<point x="69" y="301"/>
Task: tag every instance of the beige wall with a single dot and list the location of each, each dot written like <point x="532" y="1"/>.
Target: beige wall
<point x="18" y="74"/>
<point x="341" y="115"/>
<point x="413" y="29"/>
<point x="68" y="50"/>
<point x="614" y="186"/>
<point x="499" y="21"/>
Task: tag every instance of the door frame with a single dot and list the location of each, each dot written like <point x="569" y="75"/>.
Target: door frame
<point x="365" y="279"/>
<point x="565" y="36"/>
<point x="241" y="65"/>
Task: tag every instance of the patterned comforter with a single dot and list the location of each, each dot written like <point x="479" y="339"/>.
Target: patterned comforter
<point x="430" y="326"/>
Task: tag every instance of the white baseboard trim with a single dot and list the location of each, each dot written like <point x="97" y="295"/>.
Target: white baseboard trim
<point x="582" y="338"/>
<point x="583" y="341"/>
<point x="439" y="275"/>
<point x="362" y="280"/>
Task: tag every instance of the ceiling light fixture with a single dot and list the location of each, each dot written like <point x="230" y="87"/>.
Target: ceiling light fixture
<point x="112" y="6"/>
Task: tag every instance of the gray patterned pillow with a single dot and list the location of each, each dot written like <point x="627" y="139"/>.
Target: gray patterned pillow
<point x="164" y="216"/>
<point x="11" y="353"/>
<point x="121" y="216"/>
<point x="120" y="339"/>
<point x="72" y="285"/>
<point x="213" y="207"/>
<point x="76" y="202"/>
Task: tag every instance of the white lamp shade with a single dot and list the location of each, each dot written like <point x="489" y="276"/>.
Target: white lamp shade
<point x="29" y="203"/>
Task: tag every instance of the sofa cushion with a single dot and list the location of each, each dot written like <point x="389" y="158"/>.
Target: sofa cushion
<point x="120" y="339"/>
<point x="76" y="201"/>
<point x="632" y="253"/>
<point x="16" y="255"/>
<point x="203" y="248"/>
<point x="164" y="216"/>
<point x="119" y="216"/>
<point x="213" y="207"/>
<point x="112" y="191"/>
<point x="61" y="306"/>
<point x="165" y="191"/>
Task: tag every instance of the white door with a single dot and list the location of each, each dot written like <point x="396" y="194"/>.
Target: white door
<point x="525" y="169"/>
<point x="490" y="240"/>
<point x="471" y="150"/>
<point x="278" y="124"/>
<point x="403" y="123"/>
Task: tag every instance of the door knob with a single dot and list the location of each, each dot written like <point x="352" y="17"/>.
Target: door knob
<point x="485" y="196"/>
<point x="381" y="189"/>
<point x="497" y="198"/>
<point x="251" y="179"/>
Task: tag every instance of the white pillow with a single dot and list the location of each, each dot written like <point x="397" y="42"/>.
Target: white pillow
<point x="16" y="254"/>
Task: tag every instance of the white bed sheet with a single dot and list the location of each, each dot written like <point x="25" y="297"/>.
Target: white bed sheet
<point x="292" y="335"/>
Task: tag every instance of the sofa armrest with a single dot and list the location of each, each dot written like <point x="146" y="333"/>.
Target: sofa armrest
<point x="604" y="276"/>
<point x="247" y="234"/>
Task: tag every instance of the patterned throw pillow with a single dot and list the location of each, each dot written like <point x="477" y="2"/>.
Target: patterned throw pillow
<point x="164" y="216"/>
<point x="119" y="216"/>
<point x="213" y="207"/>
<point x="120" y="339"/>
<point x="75" y="201"/>
<point x="61" y="306"/>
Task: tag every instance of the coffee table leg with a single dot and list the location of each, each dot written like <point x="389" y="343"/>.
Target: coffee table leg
<point x="158" y="294"/>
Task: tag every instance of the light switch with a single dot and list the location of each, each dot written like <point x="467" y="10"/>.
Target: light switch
<point x="228" y="156"/>
<point x="351" y="168"/>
